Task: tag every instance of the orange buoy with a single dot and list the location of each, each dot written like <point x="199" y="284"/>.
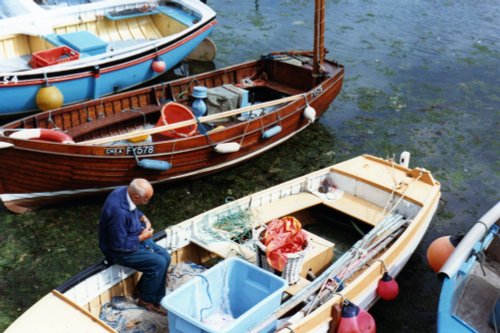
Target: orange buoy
<point x="440" y="250"/>
<point x="158" y="65"/>
<point x="387" y="288"/>
<point x="355" y="320"/>
<point x="49" y="97"/>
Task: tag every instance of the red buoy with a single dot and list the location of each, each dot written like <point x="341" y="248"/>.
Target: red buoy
<point x="440" y="250"/>
<point x="387" y="288"/>
<point x="355" y="320"/>
<point x="158" y="65"/>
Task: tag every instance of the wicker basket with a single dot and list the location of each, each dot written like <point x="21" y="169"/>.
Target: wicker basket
<point x="294" y="263"/>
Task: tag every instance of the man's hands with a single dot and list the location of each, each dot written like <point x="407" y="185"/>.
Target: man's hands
<point x="146" y="233"/>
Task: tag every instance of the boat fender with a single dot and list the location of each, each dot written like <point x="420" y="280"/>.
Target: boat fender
<point x="227" y="147"/>
<point x="387" y="288"/>
<point x="310" y="114"/>
<point x="151" y="164"/>
<point x="158" y="65"/>
<point x="42" y="134"/>
<point x="49" y="97"/>
<point x="404" y="159"/>
<point x="440" y="250"/>
<point x="271" y="132"/>
<point x="355" y="319"/>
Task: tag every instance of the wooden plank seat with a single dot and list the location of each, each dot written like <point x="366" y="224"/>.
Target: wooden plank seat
<point x="357" y="208"/>
<point x="282" y="88"/>
<point x="110" y="119"/>
<point x="347" y="203"/>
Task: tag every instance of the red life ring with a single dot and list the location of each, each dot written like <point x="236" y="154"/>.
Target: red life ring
<point x="42" y="134"/>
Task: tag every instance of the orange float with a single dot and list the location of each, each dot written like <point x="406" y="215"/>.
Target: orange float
<point x="440" y="250"/>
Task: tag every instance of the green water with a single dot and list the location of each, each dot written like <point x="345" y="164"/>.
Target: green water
<point x="421" y="76"/>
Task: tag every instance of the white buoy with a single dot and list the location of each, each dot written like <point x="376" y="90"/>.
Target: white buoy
<point x="227" y="147"/>
<point x="404" y="159"/>
<point x="310" y="114"/>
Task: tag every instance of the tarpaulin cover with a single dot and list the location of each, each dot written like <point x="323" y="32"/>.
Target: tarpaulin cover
<point x="283" y="236"/>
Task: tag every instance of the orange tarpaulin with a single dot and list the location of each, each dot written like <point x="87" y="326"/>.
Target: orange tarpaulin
<point x="283" y="236"/>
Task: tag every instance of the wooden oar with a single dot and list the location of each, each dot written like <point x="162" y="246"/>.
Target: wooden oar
<point x="191" y="121"/>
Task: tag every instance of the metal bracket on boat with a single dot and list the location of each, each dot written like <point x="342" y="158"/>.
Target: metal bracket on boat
<point x="384" y="268"/>
<point x="151" y="164"/>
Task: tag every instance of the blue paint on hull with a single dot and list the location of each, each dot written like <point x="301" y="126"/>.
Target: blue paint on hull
<point x="447" y="320"/>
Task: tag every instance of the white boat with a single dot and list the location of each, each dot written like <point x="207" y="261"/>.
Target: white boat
<point x="363" y="217"/>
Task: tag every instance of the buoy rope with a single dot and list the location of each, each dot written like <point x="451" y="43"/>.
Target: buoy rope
<point x="244" y="132"/>
<point x="358" y="256"/>
<point x="403" y="194"/>
<point x="384" y="267"/>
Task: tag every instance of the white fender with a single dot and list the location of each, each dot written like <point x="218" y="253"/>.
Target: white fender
<point x="26" y="134"/>
<point x="310" y="114"/>
<point x="227" y="147"/>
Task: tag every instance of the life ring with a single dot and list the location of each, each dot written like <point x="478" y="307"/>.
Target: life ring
<point x="42" y="134"/>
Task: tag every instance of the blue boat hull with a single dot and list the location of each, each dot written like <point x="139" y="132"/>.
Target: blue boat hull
<point x="453" y="289"/>
<point x="18" y="95"/>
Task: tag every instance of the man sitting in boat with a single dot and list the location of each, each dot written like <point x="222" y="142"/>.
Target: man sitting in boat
<point x="125" y="238"/>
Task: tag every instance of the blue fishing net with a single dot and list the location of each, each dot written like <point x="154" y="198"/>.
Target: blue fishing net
<point x="125" y="316"/>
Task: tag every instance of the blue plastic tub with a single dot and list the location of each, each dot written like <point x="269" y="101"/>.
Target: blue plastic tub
<point x="251" y="295"/>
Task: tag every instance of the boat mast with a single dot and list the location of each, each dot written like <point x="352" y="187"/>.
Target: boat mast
<point x="319" y="37"/>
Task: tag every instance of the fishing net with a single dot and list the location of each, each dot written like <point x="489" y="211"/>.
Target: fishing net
<point x="181" y="273"/>
<point x="124" y="315"/>
<point x="233" y="226"/>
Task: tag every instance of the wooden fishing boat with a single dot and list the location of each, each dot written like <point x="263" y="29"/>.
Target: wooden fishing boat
<point x="68" y="54"/>
<point x="372" y="213"/>
<point x="470" y="295"/>
<point x="153" y="133"/>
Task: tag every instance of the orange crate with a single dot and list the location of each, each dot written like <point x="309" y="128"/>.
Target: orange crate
<point x="53" y="56"/>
